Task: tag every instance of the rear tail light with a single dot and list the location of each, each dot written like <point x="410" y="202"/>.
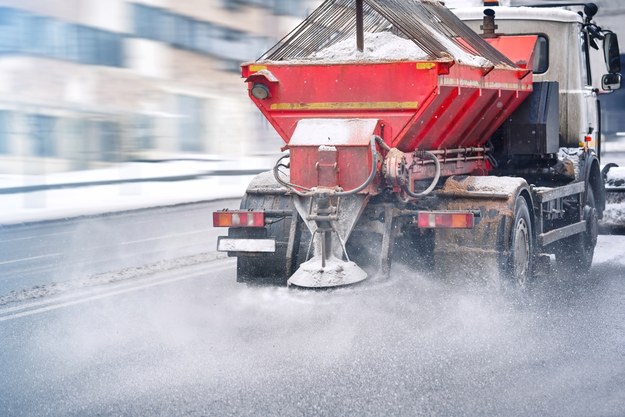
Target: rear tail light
<point x="445" y="220"/>
<point x="238" y="218"/>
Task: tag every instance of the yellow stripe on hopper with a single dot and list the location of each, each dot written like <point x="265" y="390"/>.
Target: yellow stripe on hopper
<point x="380" y="105"/>
<point x="425" y="65"/>
<point x="256" y="68"/>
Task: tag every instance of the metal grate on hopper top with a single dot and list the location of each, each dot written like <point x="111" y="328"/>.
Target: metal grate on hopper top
<point x="427" y="23"/>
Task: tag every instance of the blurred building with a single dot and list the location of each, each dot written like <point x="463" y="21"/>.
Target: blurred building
<point x="85" y="83"/>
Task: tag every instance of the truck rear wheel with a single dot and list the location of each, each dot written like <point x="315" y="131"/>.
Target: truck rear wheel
<point x="574" y="254"/>
<point x="519" y="264"/>
<point x="270" y="268"/>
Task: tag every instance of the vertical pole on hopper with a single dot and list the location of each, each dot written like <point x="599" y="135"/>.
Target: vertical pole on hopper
<point x="360" y="39"/>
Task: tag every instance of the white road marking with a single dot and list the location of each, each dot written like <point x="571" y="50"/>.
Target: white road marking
<point x="39" y="236"/>
<point x="165" y="237"/>
<point x="32" y="258"/>
<point x="43" y="306"/>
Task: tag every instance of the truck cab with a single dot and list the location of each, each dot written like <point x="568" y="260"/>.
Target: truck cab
<point x="568" y="51"/>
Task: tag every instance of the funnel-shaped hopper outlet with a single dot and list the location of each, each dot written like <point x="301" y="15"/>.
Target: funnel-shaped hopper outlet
<point x="335" y="273"/>
<point x="330" y="222"/>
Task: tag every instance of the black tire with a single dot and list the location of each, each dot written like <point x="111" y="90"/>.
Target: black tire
<point x="270" y="268"/>
<point x="574" y="254"/>
<point x="519" y="266"/>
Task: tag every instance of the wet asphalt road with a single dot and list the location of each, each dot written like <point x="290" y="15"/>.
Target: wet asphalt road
<point x="56" y="251"/>
<point x="192" y="342"/>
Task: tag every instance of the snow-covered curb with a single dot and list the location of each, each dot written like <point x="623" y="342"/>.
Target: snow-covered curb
<point x="138" y="188"/>
<point x="84" y="201"/>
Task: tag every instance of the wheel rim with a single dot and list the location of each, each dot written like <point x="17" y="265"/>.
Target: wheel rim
<point x="521" y="252"/>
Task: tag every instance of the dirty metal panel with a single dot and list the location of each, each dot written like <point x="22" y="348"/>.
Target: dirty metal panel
<point x="478" y="250"/>
<point x="327" y="166"/>
<point x="332" y="152"/>
<point x="333" y="132"/>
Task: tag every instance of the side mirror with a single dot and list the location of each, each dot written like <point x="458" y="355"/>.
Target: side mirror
<point x="611" y="53"/>
<point x="610" y="82"/>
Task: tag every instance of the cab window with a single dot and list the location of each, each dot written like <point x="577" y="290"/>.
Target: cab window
<point x="541" y="55"/>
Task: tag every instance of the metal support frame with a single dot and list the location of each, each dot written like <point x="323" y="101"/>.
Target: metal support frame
<point x="546" y="195"/>
<point x="290" y="249"/>
<point x="547" y="238"/>
<point x="360" y="38"/>
<point x="388" y="240"/>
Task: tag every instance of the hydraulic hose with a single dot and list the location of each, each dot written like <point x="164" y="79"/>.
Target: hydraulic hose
<point x="437" y="176"/>
<point x="381" y="142"/>
<point x="276" y="175"/>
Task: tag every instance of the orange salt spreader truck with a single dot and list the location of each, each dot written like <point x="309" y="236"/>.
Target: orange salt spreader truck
<point x="469" y="148"/>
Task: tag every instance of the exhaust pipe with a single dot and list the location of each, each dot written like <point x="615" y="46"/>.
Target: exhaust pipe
<point x="488" y="27"/>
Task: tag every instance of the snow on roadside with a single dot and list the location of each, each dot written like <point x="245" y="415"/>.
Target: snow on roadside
<point x="614" y="213"/>
<point x="130" y="274"/>
<point x="138" y="170"/>
<point x="615" y="177"/>
<point x="73" y="202"/>
<point x="52" y="204"/>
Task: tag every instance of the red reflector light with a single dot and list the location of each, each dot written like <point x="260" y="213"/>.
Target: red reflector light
<point x="445" y="220"/>
<point x="237" y="218"/>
